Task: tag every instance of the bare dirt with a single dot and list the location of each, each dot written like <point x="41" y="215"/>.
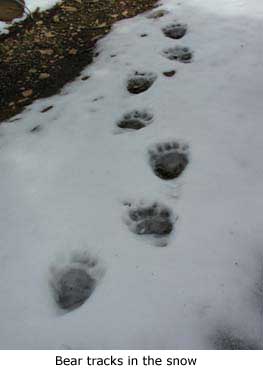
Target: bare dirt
<point x="45" y="51"/>
<point x="11" y="9"/>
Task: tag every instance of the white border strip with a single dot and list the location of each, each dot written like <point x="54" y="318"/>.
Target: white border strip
<point x="200" y="360"/>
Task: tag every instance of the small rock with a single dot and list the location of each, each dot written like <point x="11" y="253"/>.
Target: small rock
<point x="49" y="34"/>
<point x="21" y="101"/>
<point x="56" y="18"/>
<point x="27" y="93"/>
<point x="72" y="51"/>
<point x="70" y="9"/>
<point x="44" y="76"/>
<point x="46" y="52"/>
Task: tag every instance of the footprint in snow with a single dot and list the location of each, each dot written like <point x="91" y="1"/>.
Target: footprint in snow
<point x="98" y="98"/>
<point x="150" y="219"/>
<point x="168" y="160"/>
<point x="135" y="120"/>
<point x="138" y="82"/>
<point x="169" y="73"/>
<point x="175" y="30"/>
<point x="73" y="288"/>
<point x="74" y="282"/>
<point x="157" y="14"/>
<point x="36" y="129"/>
<point x="226" y="339"/>
<point x="46" y="109"/>
<point x="181" y="53"/>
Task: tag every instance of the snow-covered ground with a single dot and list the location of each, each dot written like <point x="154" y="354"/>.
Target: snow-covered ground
<point x="64" y="185"/>
<point x="42" y="4"/>
<point x="31" y="5"/>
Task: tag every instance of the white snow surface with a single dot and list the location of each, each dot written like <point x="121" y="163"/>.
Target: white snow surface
<point x="32" y="5"/>
<point x="62" y="191"/>
<point x="42" y="4"/>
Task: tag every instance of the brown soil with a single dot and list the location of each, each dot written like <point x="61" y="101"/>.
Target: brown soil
<point x="44" y="52"/>
<point x="11" y="9"/>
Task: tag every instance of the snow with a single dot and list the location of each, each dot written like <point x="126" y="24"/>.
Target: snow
<point x="31" y="5"/>
<point x="62" y="191"/>
<point x="42" y="4"/>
